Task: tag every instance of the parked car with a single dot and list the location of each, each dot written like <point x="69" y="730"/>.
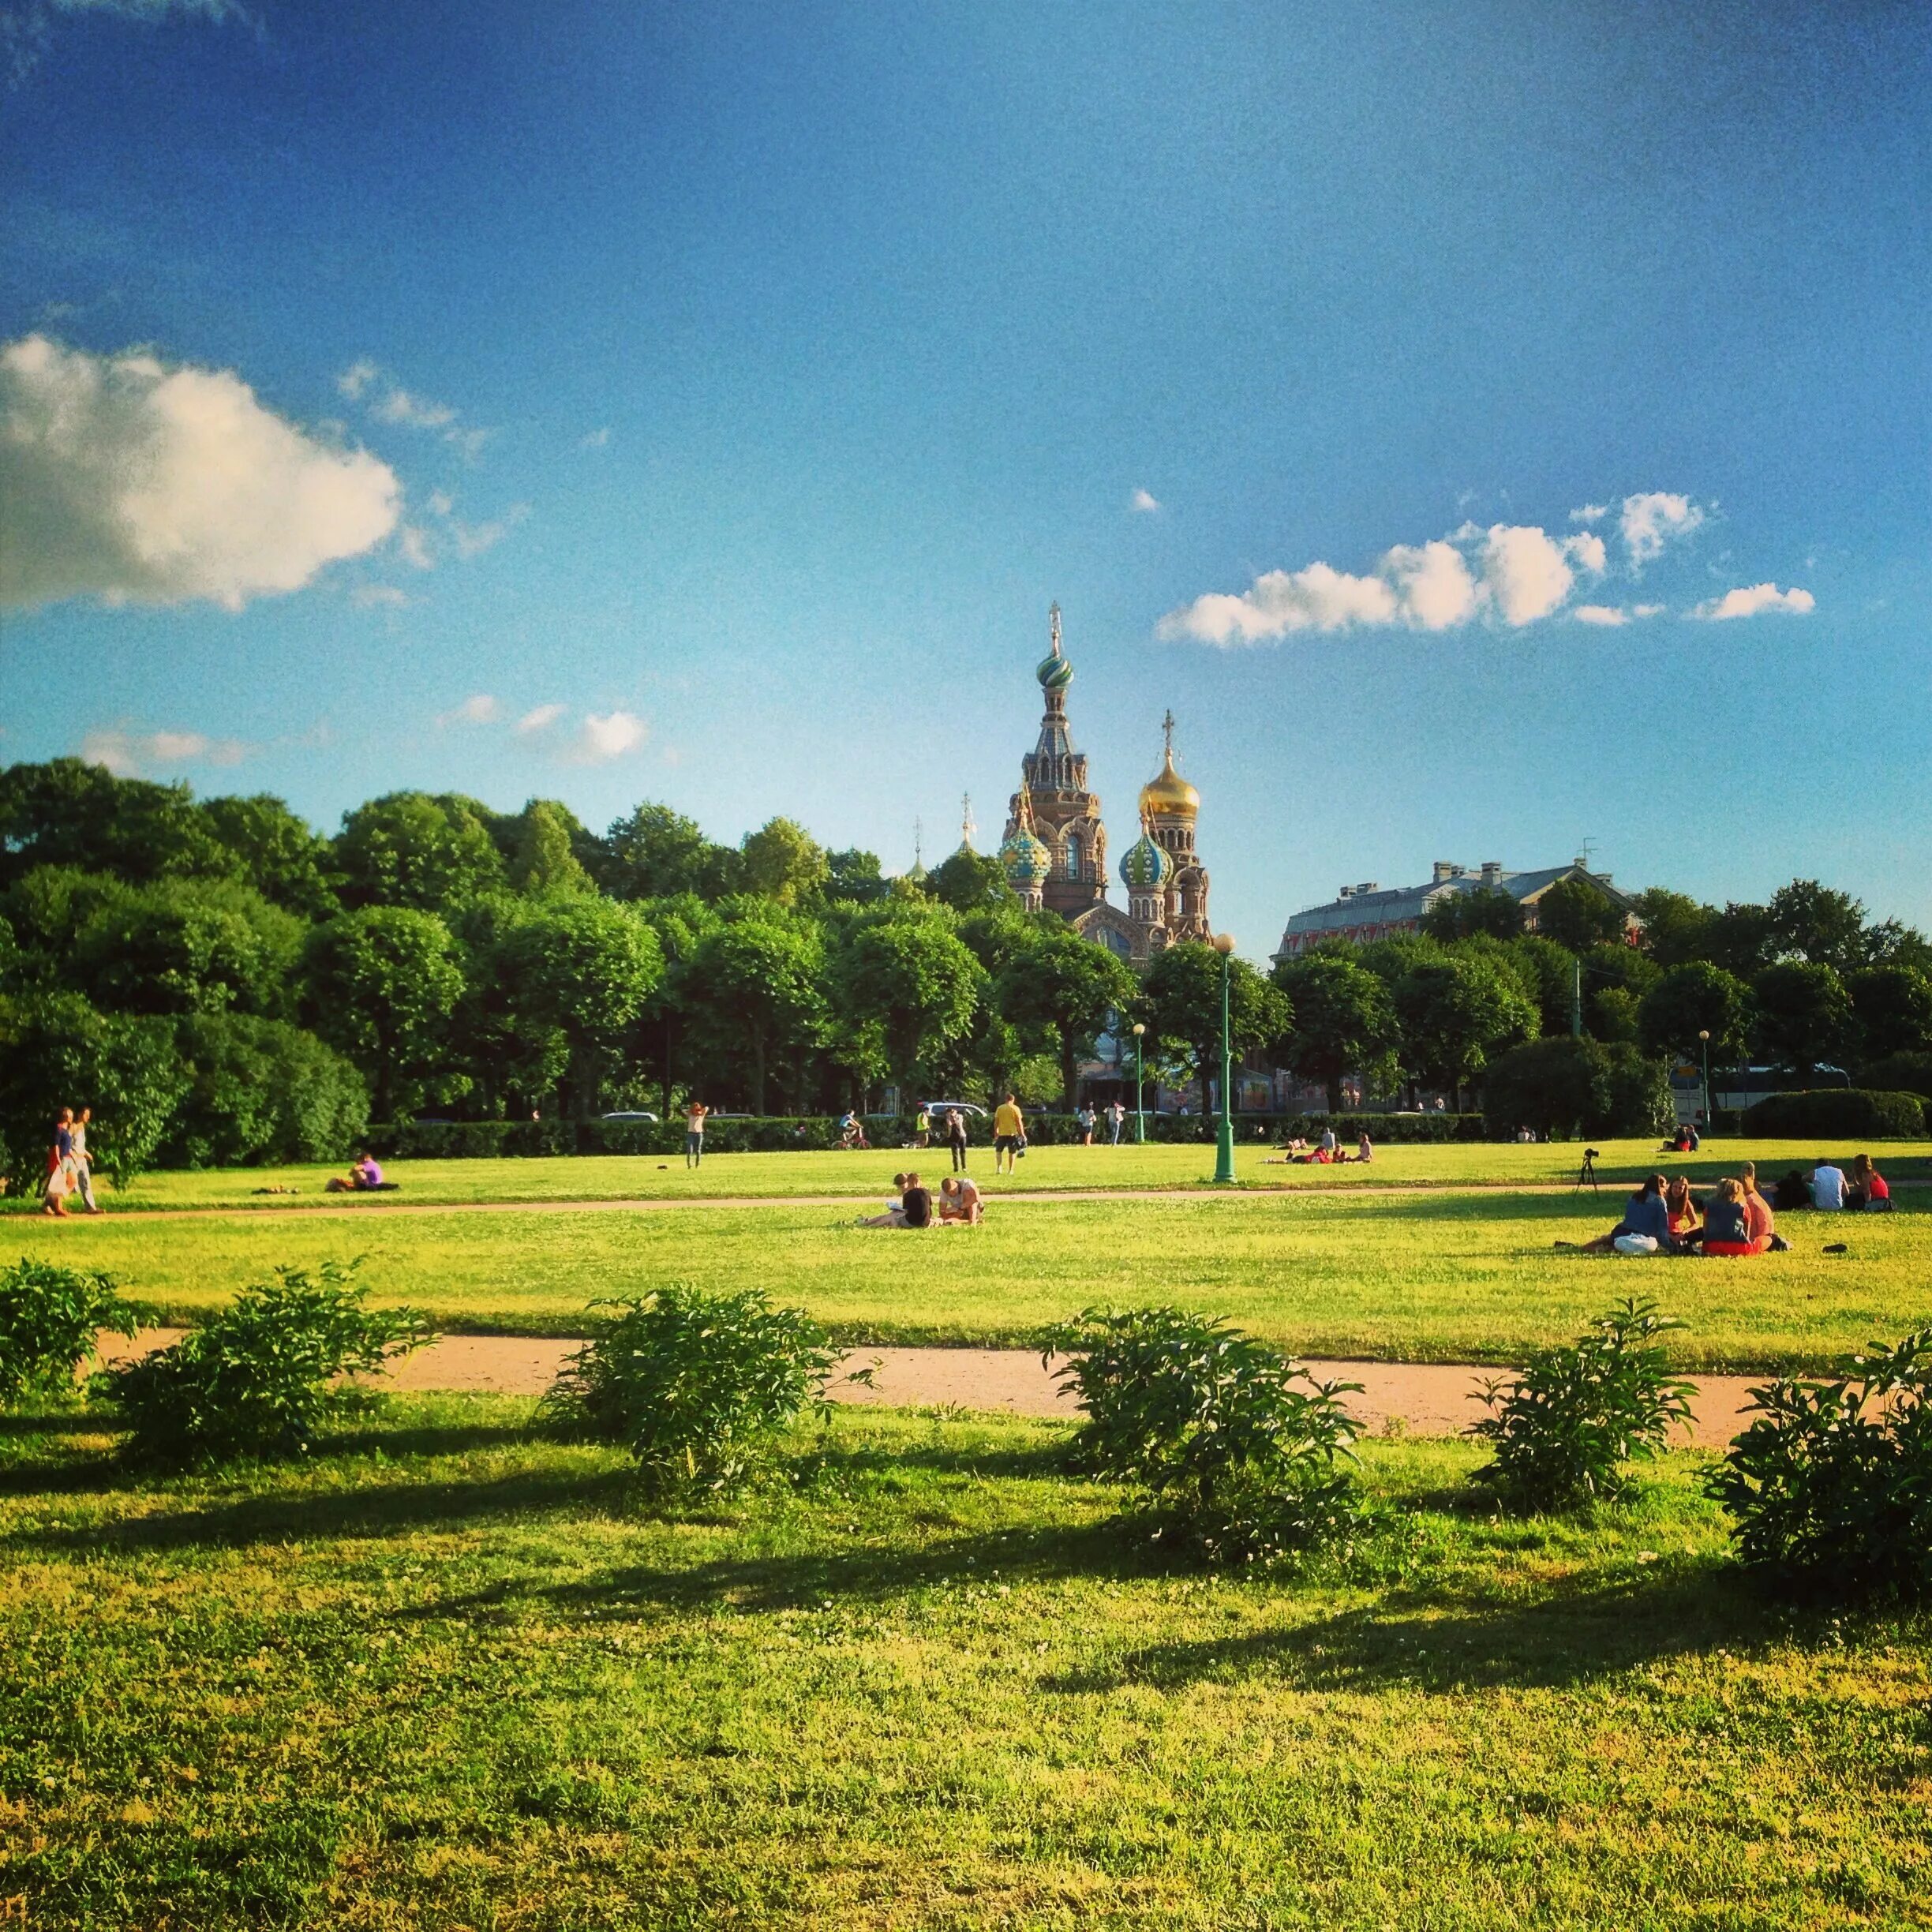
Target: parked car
<point x="937" y="1107"/>
<point x="632" y="1113"/>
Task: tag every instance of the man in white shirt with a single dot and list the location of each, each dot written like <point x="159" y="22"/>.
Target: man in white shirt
<point x="1828" y="1185"/>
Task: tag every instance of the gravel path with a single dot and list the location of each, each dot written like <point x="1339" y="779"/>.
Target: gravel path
<point x="1423" y="1399"/>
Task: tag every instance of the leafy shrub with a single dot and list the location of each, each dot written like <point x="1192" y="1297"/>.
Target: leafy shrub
<point x="1853" y="1113"/>
<point x="49" y="1317"/>
<point x="261" y="1091"/>
<point x="1832" y="1485"/>
<point x="1242" y="1447"/>
<point x="1564" y="1088"/>
<point x="259" y="1378"/>
<point x="1566" y="1423"/>
<point x="696" y="1384"/>
<point x="1899" y="1072"/>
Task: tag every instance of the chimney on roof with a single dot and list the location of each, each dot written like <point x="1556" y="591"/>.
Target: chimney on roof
<point x="1367" y="886"/>
<point x="1492" y="872"/>
<point x="1443" y="869"/>
<point x="1344" y="893"/>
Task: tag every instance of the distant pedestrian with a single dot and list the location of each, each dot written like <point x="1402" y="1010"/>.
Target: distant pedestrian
<point x="1085" y="1119"/>
<point x="694" y="1116"/>
<point x="84" y="1167"/>
<point x="956" y="1138"/>
<point x="1117" y="1119"/>
<point x="1009" y="1134"/>
<point x="922" y="1128"/>
<point x="60" y="1176"/>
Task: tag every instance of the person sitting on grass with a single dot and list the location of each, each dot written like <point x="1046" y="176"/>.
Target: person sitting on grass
<point x="1870" y="1191"/>
<point x="1760" y="1222"/>
<point x="1645" y="1229"/>
<point x="1365" y="1148"/>
<point x="959" y="1201"/>
<point x="1727" y="1226"/>
<point x="1828" y="1185"/>
<point x="914" y="1210"/>
<point x="1681" y="1205"/>
<point x="364" y="1177"/>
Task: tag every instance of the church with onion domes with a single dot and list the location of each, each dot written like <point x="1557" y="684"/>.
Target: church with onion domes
<point x="1055" y="850"/>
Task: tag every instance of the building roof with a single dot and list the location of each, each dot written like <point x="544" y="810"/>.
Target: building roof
<point x="1370" y="904"/>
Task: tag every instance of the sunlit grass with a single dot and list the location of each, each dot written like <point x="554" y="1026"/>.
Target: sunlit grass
<point x="448" y="1677"/>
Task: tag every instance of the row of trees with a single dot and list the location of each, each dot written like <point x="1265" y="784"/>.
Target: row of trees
<point x="436" y="956"/>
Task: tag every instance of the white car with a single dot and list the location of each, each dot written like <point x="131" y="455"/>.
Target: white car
<point x="938" y="1107"/>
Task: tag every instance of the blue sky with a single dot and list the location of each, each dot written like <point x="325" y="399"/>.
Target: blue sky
<point x="745" y="382"/>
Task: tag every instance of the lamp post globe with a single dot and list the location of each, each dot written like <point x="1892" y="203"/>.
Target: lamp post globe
<point x="1224" y="1133"/>
<point x="1704" y="1045"/>
<point x="1140" y="1034"/>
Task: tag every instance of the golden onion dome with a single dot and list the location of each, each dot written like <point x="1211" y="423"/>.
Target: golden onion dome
<point x="1169" y="795"/>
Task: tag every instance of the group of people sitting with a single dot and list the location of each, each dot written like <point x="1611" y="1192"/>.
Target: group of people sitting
<point x="1664" y="1217"/>
<point x="365" y="1177"/>
<point x="1326" y="1152"/>
<point x="959" y="1204"/>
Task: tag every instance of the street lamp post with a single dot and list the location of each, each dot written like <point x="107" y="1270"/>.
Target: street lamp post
<point x="1140" y="1034"/>
<point x="1224" y="1137"/>
<point x="1710" y="1125"/>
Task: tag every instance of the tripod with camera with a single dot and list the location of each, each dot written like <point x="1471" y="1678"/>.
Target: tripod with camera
<point x="1586" y="1174"/>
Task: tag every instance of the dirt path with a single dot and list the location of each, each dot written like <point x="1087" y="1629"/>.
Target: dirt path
<point x="1424" y="1399"/>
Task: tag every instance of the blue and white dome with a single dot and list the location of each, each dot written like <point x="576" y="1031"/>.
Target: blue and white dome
<point x="1146" y="867"/>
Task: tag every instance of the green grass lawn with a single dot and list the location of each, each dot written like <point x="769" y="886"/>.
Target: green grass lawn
<point x="445" y="1675"/>
<point x="639" y="1177"/>
<point x="1443" y="1277"/>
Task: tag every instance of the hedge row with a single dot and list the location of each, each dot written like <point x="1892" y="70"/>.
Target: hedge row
<point x="1841" y="1112"/>
<point x="495" y="1140"/>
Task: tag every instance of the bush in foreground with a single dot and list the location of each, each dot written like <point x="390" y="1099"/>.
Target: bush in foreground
<point x="261" y="1377"/>
<point x="697" y="1385"/>
<point x="1564" y="1425"/>
<point x="49" y="1319"/>
<point x="1832" y="1486"/>
<point x="1242" y="1447"/>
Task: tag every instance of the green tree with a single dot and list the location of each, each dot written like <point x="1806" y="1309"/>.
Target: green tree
<point x="1810" y="922"/>
<point x="1676" y="928"/>
<point x="656" y="853"/>
<point x="1893" y="1007"/>
<point x="1578" y="916"/>
<point x="903" y="983"/>
<point x="1740" y="939"/>
<point x="1181" y="1004"/>
<point x="754" y="989"/>
<point x="1456" y="1014"/>
<point x="188" y="945"/>
<point x="1343" y="1019"/>
<point x="543" y="857"/>
<point x="1548" y="972"/>
<point x="407" y="849"/>
<point x="586" y="966"/>
<point x="1558" y="1088"/>
<point x="784" y="863"/>
<point x="260" y="1091"/>
<point x="279" y="854"/>
<point x="853" y="878"/>
<point x="381" y="985"/>
<point x="1804" y="1014"/>
<point x="68" y="813"/>
<point x="1065" y="987"/>
<point x="56" y="1051"/>
<point x="1488" y="910"/>
<point x="1615" y="979"/>
<point x="1693" y="998"/>
<point x="971" y="882"/>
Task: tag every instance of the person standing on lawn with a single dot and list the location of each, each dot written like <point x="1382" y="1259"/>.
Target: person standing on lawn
<point x="83" y="1168"/>
<point x="1117" y="1119"/>
<point x="1008" y="1132"/>
<point x="694" y="1133"/>
<point x="956" y="1137"/>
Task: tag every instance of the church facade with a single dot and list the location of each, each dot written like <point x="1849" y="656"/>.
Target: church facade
<point x="1054" y="849"/>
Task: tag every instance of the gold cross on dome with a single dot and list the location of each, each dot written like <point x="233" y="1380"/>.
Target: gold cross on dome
<point x="1167" y="725"/>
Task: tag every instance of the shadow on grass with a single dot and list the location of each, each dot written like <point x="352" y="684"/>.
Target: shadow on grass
<point x="56" y="1422"/>
<point x="1440" y="1641"/>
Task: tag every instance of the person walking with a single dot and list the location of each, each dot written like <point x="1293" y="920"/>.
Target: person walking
<point x="922" y="1128"/>
<point x="1009" y="1134"/>
<point x="694" y="1133"/>
<point x="60" y="1179"/>
<point x="956" y="1137"/>
<point x="1117" y="1120"/>
<point x="84" y="1167"/>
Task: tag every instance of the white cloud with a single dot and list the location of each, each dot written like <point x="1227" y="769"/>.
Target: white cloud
<point x="356" y="378"/>
<point x="595" y="438"/>
<point x="599" y="739"/>
<point x="480" y="710"/>
<point x="1586" y="551"/>
<point x="1433" y="587"/>
<point x="1647" y="610"/>
<point x="1524" y="571"/>
<point x="1650" y="519"/>
<point x="26" y="30"/>
<point x="1144" y="500"/>
<point x="473" y="539"/>
<point x="545" y="715"/>
<point x="397" y="406"/>
<point x="1600" y="614"/>
<point x="1749" y="601"/>
<point x="378" y="596"/>
<point x="1589" y="513"/>
<point x="413" y="540"/>
<point x="1318" y="598"/>
<point x="125" y="478"/>
<point x="127" y="752"/>
<point x="441" y="502"/>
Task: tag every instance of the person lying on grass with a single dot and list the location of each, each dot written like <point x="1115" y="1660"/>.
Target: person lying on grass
<point x="914" y="1207"/>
